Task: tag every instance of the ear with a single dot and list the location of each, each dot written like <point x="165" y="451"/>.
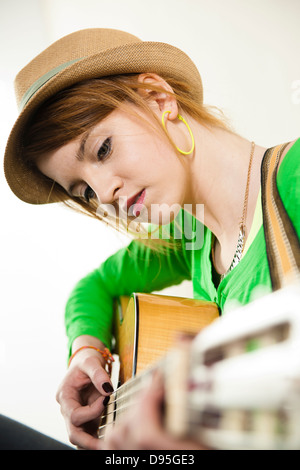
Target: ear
<point x="163" y="100"/>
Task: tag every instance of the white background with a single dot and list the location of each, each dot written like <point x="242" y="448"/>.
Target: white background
<point x="248" y="56"/>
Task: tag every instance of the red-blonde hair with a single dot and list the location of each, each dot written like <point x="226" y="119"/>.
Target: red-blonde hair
<point x="76" y="110"/>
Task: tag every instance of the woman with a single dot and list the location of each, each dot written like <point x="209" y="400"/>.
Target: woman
<point x="117" y="128"/>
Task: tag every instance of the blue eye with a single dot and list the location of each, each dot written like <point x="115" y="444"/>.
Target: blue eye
<point x="105" y="149"/>
<point x="89" y="194"/>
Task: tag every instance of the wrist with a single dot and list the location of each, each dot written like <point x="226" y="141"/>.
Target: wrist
<point x="105" y="353"/>
<point x="89" y="340"/>
<point x="85" y="346"/>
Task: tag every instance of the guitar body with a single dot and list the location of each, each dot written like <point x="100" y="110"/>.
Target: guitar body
<point x="146" y="326"/>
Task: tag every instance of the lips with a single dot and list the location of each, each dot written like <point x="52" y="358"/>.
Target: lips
<point x="135" y="203"/>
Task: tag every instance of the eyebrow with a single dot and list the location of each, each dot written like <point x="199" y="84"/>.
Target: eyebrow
<point x="80" y="154"/>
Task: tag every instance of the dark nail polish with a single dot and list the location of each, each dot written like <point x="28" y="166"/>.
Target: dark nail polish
<point x="107" y="387"/>
<point x="106" y="400"/>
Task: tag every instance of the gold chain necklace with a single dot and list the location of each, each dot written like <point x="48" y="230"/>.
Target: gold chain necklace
<point x="242" y="233"/>
<point x="243" y="222"/>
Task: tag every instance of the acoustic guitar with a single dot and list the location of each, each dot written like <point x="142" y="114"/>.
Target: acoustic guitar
<point x="233" y="383"/>
<point x="146" y="326"/>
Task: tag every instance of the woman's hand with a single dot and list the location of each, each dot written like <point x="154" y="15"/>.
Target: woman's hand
<point x="84" y="393"/>
<point x="143" y="428"/>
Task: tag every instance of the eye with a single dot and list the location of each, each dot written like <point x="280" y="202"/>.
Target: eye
<point x="105" y="149"/>
<point x="89" y="194"/>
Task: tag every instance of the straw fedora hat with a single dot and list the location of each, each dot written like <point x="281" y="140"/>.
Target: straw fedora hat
<point x="85" y="54"/>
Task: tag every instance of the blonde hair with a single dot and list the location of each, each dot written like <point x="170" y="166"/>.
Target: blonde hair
<point x="76" y="110"/>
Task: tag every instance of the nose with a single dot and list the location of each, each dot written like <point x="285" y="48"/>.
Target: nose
<point x="107" y="189"/>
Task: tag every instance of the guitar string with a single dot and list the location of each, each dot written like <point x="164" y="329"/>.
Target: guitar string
<point x="117" y="411"/>
<point x="125" y="406"/>
<point x="133" y="384"/>
<point x="121" y="398"/>
<point x="122" y="408"/>
<point x="128" y="389"/>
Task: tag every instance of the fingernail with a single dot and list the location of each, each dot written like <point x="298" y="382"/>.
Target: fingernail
<point x="105" y="401"/>
<point x="107" y="387"/>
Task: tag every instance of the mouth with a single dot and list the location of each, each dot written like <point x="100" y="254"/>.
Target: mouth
<point x="135" y="203"/>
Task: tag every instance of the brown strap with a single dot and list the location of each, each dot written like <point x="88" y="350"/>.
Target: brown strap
<point x="282" y="241"/>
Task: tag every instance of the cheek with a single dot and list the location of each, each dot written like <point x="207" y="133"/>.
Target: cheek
<point x="144" y="151"/>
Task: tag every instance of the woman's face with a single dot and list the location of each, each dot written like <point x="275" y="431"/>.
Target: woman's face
<point x="124" y="164"/>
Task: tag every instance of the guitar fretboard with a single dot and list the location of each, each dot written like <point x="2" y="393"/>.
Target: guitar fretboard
<point x="124" y="397"/>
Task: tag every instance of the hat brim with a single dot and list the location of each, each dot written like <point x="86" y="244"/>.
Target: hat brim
<point x="26" y="182"/>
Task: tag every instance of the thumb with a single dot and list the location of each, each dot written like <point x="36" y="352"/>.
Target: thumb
<point x="93" y="368"/>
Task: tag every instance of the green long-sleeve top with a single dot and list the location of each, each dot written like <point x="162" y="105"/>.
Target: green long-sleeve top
<point x="138" y="268"/>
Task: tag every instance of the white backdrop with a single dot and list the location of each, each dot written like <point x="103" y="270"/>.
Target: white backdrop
<point x="248" y="56"/>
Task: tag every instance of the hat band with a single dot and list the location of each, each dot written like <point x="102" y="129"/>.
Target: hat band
<point x="41" y="81"/>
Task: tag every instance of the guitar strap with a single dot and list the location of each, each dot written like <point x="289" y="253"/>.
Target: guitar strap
<point x="282" y="242"/>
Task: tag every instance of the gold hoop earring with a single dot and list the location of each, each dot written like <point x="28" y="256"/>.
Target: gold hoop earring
<point x="188" y="128"/>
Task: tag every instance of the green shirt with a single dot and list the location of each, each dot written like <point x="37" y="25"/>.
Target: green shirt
<point x="138" y="268"/>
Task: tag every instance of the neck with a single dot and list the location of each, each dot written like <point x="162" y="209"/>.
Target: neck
<point x="217" y="174"/>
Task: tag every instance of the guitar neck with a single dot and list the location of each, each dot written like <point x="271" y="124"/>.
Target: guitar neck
<point x="243" y="387"/>
<point x="236" y="384"/>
